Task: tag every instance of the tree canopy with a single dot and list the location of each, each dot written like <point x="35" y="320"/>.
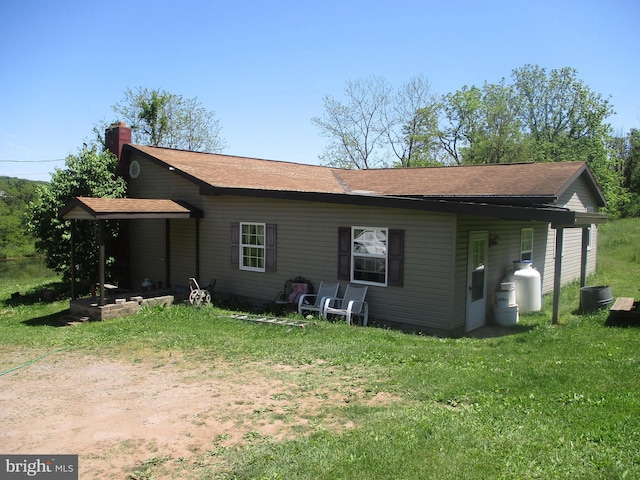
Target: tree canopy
<point x="15" y="196"/>
<point x="537" y="115"/>
<point x="89" y="174"/>
<point x="163" y="119"/>
<point x="631" y="171"/>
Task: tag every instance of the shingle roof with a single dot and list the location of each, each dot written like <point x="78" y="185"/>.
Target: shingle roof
<point x="104" y="208"/>
<point x="525" y="180"/>
<point x="227" y="171"/>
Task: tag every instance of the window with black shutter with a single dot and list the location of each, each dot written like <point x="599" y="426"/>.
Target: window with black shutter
<point x="371" y="255"/>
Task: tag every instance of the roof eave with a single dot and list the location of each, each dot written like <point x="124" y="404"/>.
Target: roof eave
<point x="76" y="209"/>
<point x="583" y="220"/>
<point x="591" y="183"/>
<point x="523" y="200"/>
<point x="539" y="213"/>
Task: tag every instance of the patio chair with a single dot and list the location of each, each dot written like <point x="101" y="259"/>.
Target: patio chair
<point x="351" y="304"/>
<point x="310" y="302"/>
<point x="287" y="298"/>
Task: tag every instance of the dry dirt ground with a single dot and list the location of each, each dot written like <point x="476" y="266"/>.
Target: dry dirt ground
<point x="121" y="415"/>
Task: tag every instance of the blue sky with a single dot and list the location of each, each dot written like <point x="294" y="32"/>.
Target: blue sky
<point x="264" y="66"/>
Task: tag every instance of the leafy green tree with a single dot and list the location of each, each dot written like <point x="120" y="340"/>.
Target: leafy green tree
<point x="565" y="121"/>
<point x="561" y="115"/>
<point x="632" y="163"/>
<point x="496" y="135"/>
<point x="164" y="119"/>
<point x="411" y="122"/>
<point x="15" y="196"/>
<point x="151" y="109"/>
<point x="541" y="116"/>
<point x="461" y="112"/>
<point x="421" y="140"/>
<point x="632" y="173"/>
<point x="88" y="174"/>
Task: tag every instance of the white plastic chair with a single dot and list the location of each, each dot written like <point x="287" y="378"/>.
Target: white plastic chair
<point x="314" y="302"/>
<point x="351" y="304"/>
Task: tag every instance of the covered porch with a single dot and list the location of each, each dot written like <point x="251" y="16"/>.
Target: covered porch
<point x="104" y="306"/>
<point x="583" y="221"/>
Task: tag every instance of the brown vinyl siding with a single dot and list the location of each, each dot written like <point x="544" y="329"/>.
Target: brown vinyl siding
<point x="501" y="255"/>
<point x="307" y="245"/>
<point x="434" y="292"/>
<point x="183" y="252"/>
<point x="156" y="181"/>
<point x="148" y="244"/>
<point x="147" y="251"/>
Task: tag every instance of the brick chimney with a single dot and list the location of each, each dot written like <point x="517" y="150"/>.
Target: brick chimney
<point x="115" y="137"/>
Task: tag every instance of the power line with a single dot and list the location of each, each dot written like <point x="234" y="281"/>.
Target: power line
<point x="32" y="161"/>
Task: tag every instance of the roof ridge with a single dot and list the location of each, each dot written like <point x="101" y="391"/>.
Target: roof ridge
<point x="476" y="165"/>
<point x="240" y="157"/>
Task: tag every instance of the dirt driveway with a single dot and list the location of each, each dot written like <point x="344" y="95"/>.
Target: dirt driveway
<point x="167" y="410"/>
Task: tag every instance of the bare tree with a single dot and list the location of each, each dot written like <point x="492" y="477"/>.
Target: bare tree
<point x="356" y="129"/>
<point x="412" y="123"/>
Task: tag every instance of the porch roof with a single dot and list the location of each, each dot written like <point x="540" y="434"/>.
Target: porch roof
<point x="91" y="208"/>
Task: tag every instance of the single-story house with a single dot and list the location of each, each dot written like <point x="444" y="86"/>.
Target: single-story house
<point x="415" y="236"/>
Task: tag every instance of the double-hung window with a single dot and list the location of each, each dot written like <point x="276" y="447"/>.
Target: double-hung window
<point x="526" y="244"/>
<point x="369" y="253"/>
<point x="252" y="246"/>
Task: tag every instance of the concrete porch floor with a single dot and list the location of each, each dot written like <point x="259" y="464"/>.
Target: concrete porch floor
<point x="118" y="305"/>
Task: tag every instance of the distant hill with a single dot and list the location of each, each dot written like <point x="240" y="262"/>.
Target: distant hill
<point x="15" y="196"/>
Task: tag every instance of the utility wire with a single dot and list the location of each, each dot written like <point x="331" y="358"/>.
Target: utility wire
<point x="32" y="161"/>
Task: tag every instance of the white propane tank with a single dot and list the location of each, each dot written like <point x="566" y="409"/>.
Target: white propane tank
<point x="528" y="286"/>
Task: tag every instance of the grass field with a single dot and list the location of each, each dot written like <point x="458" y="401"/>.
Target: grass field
<point x="543" y="402"/>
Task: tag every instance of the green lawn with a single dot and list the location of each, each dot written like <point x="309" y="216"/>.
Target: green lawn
<point x="544" y="402"/>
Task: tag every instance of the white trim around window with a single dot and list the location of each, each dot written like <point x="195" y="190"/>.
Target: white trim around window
<point x="526" y="244"/>
<point x="252" y="246"/>
<point x="369" y="255"/>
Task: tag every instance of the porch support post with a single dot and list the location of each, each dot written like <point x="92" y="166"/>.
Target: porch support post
<point x="557" y="275"/>
<point x="167" y="252"/>
<point x="73" y="260"/>
<point x="198" y="249"/>
<point x="101" y="262"/>
<point x="583" y="258"/>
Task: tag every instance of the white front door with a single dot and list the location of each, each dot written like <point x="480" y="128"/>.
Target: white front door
<point x="476" y="280"/>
